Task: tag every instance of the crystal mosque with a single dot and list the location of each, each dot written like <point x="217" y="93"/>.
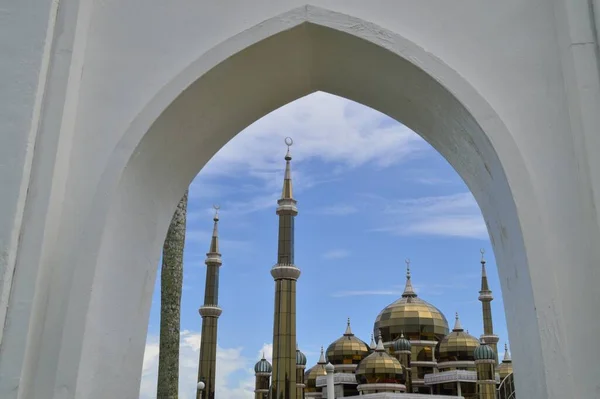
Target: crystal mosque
<point x="412" y="353"/>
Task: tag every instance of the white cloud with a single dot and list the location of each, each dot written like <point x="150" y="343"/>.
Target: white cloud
<point x="229" y="361"/>
<point x="336" y="254"/>
<point x="454" y="215"/>
<point x="323" y="126"/>
<point x="267" y="351"/>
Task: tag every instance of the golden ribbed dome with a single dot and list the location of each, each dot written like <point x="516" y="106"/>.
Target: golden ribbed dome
<point x="456" y="346"/>
<point x="310" y="376"/>
<point x="380" y="368"/>
<point x="506" y="367"/>
<point x="414" y="317"/>
<point x="347" y="349"/>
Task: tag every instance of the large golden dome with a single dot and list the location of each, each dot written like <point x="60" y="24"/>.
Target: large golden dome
<point x="416" y="318"/>
<point x="456" y="346"/>
<point x="347" y="349"/>
<point x="380" y="368"/>
<point x="310" y="376"/>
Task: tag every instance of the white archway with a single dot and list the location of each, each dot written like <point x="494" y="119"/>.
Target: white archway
<point x="104" y="311"/>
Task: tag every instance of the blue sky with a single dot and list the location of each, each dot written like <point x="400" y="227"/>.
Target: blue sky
<point x="370" y="193"/>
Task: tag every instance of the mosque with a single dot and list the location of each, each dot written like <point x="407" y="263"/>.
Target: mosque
<point x="412" y="353"/>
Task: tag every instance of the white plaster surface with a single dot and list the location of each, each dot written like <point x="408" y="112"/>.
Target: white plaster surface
<point x="109" y="111"/>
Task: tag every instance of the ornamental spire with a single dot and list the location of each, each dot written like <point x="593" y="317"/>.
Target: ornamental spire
<point x="287" y="192"/>
<point x="409" y="292"/>
<point x="507" y="358"/>
<point x="457" y="325"/>
<point x="322" y="357"/>
<point x="348" y="329"/>
<point x="373" y="344"/>
<point x="214" y="242"/>
<point x="380" y="347"/>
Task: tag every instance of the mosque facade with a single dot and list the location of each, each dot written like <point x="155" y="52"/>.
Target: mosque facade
<point x="412" y="353"/>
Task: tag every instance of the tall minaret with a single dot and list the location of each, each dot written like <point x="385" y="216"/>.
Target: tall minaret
<point x="210" y="313"/>
<point x="485" y="296"/>
<point x="285" y="273"/>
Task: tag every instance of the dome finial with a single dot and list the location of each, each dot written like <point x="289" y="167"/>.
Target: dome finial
<point x="379" y="347"/>
<point x="408" y="288"/>
<point x="507" y="357"/>
<point x="322" y="357"/>
<point x="457" y="325"/>
<point x="482" y="255"/>
<point x="373" y="344"/>
<point x="348" y="329"/>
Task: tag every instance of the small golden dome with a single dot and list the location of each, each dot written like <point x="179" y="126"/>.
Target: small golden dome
<point x="456" y="346"/>
<point x="347" y="349"/>
<point x="310" y="376"/>
<point x="505" y="368"/>
<point x="418" y="319"/>
<point x="380" y="368"/>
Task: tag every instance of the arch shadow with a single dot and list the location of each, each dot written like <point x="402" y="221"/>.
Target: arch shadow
<point x="226" y="89"/>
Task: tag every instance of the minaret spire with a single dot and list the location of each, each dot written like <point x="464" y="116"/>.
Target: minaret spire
<point x="486" y="297"/>
<point x="409" y="292"/>
<point x="285" y="274"/>
<point x="210" y="313"/>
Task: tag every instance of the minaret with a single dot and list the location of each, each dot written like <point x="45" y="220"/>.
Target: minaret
<point x="402" y="350"/>
<point x="485" y="296"/>
<point x="285" y="273"/>
<point x="485" y="362"/>
<point x="300" y="368"/>
<point x="262" y="373"/>
<point x="210" y="313"/>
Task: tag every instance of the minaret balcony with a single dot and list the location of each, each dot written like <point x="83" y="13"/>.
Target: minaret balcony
<point x="213" y="258"/>
<point x="490" y="339"/>
<point x="288" y="272"/>
<point x="210" y="311"/>
<point x="485" y="296"/>
<point x="287" y="205"/>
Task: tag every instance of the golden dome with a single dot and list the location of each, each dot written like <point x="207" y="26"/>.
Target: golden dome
<point x="505" y="368"/>
<point x="347" y="349"/>
<point x="456" y="346"/>
<point x="415" y="317"/>
<point x="310" y="376"/>
<point x="380" y="368"/>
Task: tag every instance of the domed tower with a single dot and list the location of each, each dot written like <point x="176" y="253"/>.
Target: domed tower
<point x="485" y="361"/>
<point x="456" y="350"/>
<point x="300" y="366"/>
<point x="310" y="378"/>
<point x="262" y="372"/>
<point x="505" y="368"/>
<point x="402" y="350"/>
<point x="380" y="372"/>
<point x="422" y="323"/>
<point x="347" y="351"/>
<point x="344" y="354"/>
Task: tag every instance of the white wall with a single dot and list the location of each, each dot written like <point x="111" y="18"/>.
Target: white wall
<point x="496" y="87"/>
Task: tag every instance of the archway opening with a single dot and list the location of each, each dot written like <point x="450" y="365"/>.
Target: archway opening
<point x="371" y="192"/>
<point x="153" y="166"/>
